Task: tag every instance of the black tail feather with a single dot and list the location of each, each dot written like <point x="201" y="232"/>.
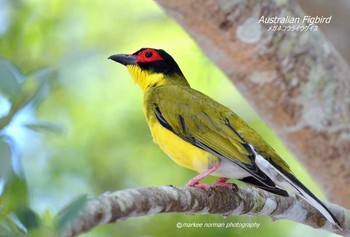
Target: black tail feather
<point x="257" y="183"/>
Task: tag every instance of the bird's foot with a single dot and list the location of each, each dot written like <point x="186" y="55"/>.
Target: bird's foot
<point x="221" y="182"/>
<point x="195" y="183"/>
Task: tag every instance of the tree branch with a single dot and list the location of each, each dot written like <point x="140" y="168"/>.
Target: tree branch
<point x="295" y="80"/>
<point x="110" y="207"/>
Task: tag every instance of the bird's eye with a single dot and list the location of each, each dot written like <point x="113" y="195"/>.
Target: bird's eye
<point x="149" y="54"/>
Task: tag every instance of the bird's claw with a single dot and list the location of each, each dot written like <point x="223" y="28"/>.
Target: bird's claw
<point x="220" y="182"/>
<point x="234" y="187"/>
<point x="199" y="185"/>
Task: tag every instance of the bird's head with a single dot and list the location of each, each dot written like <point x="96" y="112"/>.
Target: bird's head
<point x="151" y="67"/>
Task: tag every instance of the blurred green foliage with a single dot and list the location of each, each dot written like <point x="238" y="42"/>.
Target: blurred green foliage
<point x="93" y="137"/>
<point x="17" y="93"/>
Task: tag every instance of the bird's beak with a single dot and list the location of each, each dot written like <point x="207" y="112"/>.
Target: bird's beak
<point x="125" y="59"/>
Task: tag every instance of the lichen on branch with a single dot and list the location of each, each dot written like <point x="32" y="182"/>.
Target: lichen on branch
<point x="110" y="207"/>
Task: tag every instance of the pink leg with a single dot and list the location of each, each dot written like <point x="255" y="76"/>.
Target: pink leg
<point x="194" y="182"/>
<point x="221" y="182"/>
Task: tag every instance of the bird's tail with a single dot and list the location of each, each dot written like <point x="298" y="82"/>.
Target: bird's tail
<point x="291" y="182"/>
<point x="315" y="202"/>
<point x="308" y="196"/>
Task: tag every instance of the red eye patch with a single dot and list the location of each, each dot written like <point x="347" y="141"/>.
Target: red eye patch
<point x="148" y="55"/>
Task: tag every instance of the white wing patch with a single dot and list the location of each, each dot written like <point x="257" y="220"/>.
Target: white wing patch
<point x="277" y="177"/>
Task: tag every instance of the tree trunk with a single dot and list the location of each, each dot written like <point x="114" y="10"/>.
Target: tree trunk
<point x="295" y="80"/>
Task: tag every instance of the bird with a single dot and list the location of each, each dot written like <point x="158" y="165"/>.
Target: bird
<point x="203" y="135"/>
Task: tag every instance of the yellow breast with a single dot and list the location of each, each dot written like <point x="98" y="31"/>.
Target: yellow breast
<point x="183" y="153"/>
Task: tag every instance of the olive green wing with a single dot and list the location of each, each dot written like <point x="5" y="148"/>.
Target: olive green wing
<point x="206" y="124"/>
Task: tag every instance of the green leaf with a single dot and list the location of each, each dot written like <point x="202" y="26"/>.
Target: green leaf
<point x="14" y="194"/>
<point x="71" y="211"/>
<point x="10" y="79"/>
<point x="28" y="218"/>
<point x="5" y="160"/>
<point x="9" y="228"/>
<point x="40" y="126"/>
<point x="36" y="86"/>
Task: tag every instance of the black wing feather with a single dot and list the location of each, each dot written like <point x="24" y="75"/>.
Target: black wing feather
<point x="252" y="169"/>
